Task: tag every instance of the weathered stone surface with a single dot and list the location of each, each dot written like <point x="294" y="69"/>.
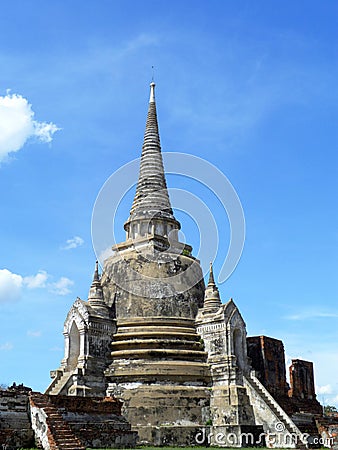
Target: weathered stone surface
<point x="273" y="419"/>
<point x="88" y="331"/>
<point x="15" y="427"/>
<point x="170" y="285"/>
<point x="178" y="409"/>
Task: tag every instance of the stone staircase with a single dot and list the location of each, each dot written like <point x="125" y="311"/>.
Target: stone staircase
<point x="58" y="433"/>
<point x="285" y="421"/>
<point x="59" y="383"/>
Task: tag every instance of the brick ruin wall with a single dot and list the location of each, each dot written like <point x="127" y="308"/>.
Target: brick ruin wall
<point x="268" y="360"/>
<point x="96" y="422"/>
<point x="15" y="426"/>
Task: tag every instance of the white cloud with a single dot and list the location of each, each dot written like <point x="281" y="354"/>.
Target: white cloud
<point x="74" y="242"/>
<point x="61" y="287"/>
<point x="327" y="389"/>
<point x="36" y="281"/>
<point x="17" y="125"/>
<point x="44" y="131"/>
<point x="6" y="347"/>
<point x="34" y="333"/>
<point x="10" y="286"/>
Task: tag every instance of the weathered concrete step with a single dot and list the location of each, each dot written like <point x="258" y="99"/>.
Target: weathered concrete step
<point x="64" y="439"/>
<point x="74" y="447"/>
<point x="68" y="442"/>
<point x="64" y="434"/>
<point x="71" y="446"/>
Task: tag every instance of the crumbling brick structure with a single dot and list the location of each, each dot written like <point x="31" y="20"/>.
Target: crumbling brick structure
<point x="302" y="380"/>
<point x="268" y="360"/>
<point x="15" y="426"/>
<point x="302" y="392"/>
<point x="29" y="418"/>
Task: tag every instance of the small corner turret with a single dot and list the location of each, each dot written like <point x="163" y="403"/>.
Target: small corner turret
<point x="212" y="300"/>
<point x="95" y="296"/>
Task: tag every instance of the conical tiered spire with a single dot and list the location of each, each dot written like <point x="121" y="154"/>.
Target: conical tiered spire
<point x="212" y="299"/>
<point x="95" y="296"/>
<point x="211" y="276"/>
<point x="151" y="205"/>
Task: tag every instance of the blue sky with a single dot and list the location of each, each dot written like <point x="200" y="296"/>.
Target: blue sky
<point x="249" y="86"/>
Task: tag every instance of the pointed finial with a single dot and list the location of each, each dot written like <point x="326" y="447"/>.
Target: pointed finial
<point x="96" y="273"/>
<point x="212" y="300"/>
<point x="152" y="77"/>
<point x="211" y="275"/>
<point x="95" y="296"/>
<point x="152" y="92"/>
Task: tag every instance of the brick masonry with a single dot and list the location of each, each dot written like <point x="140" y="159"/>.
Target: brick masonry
<point x="28" y="419"/>
<point x="15" y="426"/>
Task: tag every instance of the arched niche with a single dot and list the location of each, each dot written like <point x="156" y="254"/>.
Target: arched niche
<point x="74" y="346"/>
<point x="239" y="350"/>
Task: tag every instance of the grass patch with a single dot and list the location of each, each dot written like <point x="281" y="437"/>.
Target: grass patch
<point x="169" y="448"/>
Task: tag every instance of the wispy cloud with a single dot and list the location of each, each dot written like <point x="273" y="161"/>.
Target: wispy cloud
<point x="17" y="125"/>
<point x="12" y="285"/>
<point x="311" y="314"/>
<point x="74" y="242"/>
<point x="36" y="281"/>
<point x="6" y="347"/>
<point x="61" y="287"/>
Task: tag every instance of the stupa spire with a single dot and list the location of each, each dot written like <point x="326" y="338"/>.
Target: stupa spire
<point x="211" y="276"/>
<point x="151" y="203"/>
<point x="95" y="296"/>
<point x="212" y="300"/>
<point x="96" y="272"/>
